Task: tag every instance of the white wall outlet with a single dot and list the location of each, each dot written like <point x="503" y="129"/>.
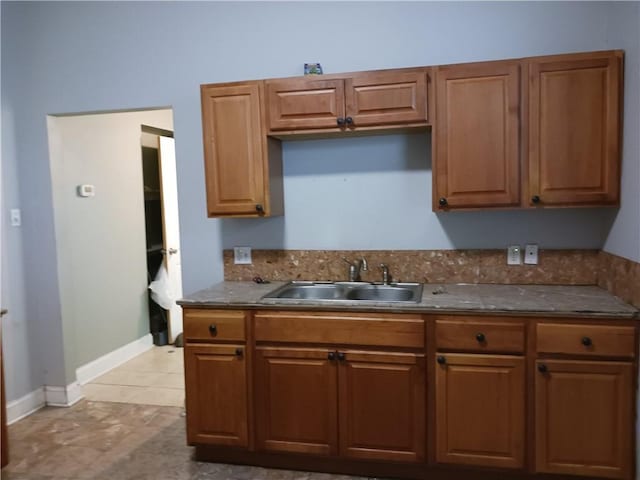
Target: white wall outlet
<point x="16" y="217"/>
<point x="242" y="255"/>
<point x="531" y="254"/>
<point x="514" y="255"/>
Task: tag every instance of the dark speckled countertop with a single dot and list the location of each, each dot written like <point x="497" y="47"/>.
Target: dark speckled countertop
<point x="548" y="300"/>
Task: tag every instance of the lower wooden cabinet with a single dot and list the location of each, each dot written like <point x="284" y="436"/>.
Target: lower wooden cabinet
<point x="296" y="400"/>
<point x="584" y="418"/>
<point x="382" y="405"/>
<point x="367" y="405"/>
<point x="480" y="410"/>
<point x="216" y="395"/>
<point x="347" y="392"/>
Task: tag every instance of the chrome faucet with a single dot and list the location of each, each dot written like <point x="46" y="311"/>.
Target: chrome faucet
<point x="386" y="278"/>
<point x="355" y="269"/>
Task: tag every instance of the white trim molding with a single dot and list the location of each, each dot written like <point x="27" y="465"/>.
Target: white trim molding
<point x="24" y="406"/>
<point x="111" y="360"/>
<point x="49" y="395"/>
<point x="63" y="396"/>
<point x="66" y="396"/>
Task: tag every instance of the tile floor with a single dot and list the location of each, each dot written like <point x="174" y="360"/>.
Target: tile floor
<point x="118" y="441"/>
<point x="155" y="377"/>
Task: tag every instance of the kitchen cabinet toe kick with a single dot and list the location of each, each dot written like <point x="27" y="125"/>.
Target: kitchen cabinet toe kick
<point x="363" y="468"/>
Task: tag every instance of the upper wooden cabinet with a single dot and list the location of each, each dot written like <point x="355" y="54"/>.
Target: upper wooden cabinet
<point x="540" y="131"/>
<point x="574" y="129"/>
<point x="386" y="98"/>
<point x="239" y="160"/>
<point x="477" y="136"/>
<point x="367" y="99"/>
<point x="522" y="133"/>
<point x="301" y="103"/>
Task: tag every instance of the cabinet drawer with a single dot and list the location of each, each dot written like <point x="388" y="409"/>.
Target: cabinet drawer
<point x="471" y="334"/>
<point x="214" y="325"/>
<point x="331" y="328"/>
<point x="582" y="339"/>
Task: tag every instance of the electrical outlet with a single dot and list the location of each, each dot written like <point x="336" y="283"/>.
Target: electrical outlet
<point x="16" y="218"/>
<point x="242" y="255"/>
<point x="531" y="254"/>
<point x="514" y="255"/>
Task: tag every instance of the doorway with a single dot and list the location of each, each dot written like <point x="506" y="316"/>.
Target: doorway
<point x="162" y="226"/>
<point x="99" y="215"/>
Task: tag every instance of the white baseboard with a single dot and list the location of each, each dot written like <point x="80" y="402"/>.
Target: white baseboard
<point x="63" y="396"/>
<point x="22" y="407"/>
<point x="74" y="393"/>
<point x="49" y="395"/>
<point x="111" y="360"/>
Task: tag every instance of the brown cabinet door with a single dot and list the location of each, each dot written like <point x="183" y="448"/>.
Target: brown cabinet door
<point x="386" y="98"/>
<point x="574" y="138"/>
<point x="476" y="160"/>
<point x="584" y="418"/>
<point x="234" y="150"/>
<point x="296" y="400"/>
<point x="382" y="406"/>
<point x="216" y="394"/>
<point x="480" y="410"/>
<point x="297" y="104"/>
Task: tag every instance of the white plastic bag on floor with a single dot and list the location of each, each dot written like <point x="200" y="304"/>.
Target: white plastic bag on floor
<point x="161" y="291"/>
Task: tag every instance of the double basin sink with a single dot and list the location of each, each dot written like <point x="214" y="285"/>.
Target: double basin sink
<point x="347" y="292"/>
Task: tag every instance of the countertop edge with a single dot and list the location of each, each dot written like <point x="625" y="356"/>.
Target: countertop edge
<point x="560" y="301"/>
<point x="634" y="316"/>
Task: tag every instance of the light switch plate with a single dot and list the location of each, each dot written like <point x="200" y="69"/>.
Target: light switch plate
<point x="531" y="254"/>
<point x="242" y="255"/>
<point x="514" y="255"/>
<point x="16" y="217"/>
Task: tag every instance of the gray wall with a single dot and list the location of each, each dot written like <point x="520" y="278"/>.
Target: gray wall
<point x="375" y="193"/>
<point x="89" y="56"/>
<point x="624" y="32"/>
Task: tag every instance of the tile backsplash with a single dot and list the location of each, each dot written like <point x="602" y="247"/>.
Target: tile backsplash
<point x="620" y="276"/>
<point x="555" y="267"/>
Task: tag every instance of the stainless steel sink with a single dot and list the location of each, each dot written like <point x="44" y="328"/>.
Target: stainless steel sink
<point x="386" y="293"/>
<point x="311" y="291"/>
<point x="347" y="292"/>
